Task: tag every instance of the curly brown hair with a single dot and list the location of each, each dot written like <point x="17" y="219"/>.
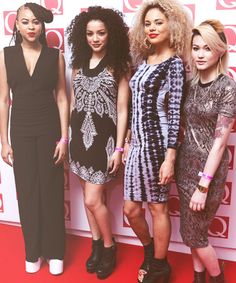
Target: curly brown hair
<point x="118" y="49"/>
<point x="180" y="27"/>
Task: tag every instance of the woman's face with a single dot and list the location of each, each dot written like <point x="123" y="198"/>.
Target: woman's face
<point x="29" y="27"/>
<point x="156" y="27"/>
<point x="97" y="36"/>
<point x="203" y="57"/>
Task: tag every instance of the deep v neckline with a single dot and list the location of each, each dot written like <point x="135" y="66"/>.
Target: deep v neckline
<point x="25" y="65"/>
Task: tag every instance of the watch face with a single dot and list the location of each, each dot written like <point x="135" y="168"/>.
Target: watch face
<point x="202" y="189"/>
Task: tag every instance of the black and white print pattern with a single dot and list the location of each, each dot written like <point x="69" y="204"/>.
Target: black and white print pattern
<point x="156" y="97"/>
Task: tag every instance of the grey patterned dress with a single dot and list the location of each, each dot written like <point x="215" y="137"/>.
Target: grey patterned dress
<point x="93" y="123"/>
<point x="203" y="104"/>
<point x="156" y="97"/>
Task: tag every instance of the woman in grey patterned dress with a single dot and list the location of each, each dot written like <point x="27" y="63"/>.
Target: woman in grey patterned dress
<point x="100" y="94"/>
<point x="202" y="162"/>
<point x="157" y="88"/>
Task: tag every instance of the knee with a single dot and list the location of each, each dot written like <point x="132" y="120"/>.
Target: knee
<point x="158" y="209"/>
<point x="132" y="212"/>
<point x="91" y="204"/>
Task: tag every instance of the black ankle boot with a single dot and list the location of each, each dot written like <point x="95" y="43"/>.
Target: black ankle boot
<point x="107" y="263"/>
<point x="95" y="257"/>
<point x="148" y="256"/>
<point x="199" y="277"/>
<point x="159" y="271"/>
<point x="218" y="279"/>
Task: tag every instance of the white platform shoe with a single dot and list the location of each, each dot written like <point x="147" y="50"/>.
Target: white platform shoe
<point x="55" y="266"/>
<point x="32" y="267"/>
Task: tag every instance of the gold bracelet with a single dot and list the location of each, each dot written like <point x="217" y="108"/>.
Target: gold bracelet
<point x="202" y="189"/>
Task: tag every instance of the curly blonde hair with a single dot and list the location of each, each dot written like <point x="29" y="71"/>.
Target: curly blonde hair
<point x="180" y="26"/>
<point x="212" y="32"/>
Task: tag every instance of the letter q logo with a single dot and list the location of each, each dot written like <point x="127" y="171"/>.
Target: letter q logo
<point x="131" y="6"/>
<point x="9" y="19"/>
<point x="230" y="31"/>
<point x="55" y="38"/>
<point x="219" y="227"/>
<point x="225" y="4"/>
<point x="56" y="6"/>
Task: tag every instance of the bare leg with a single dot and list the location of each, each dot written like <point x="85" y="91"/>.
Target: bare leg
<point x="197" y="263"/>
<point x="208" y="258"/>
<point x="161" y="228"/>
<point x="96" y="234"/>
<point x="137" y="221"/>
<point x="98" y="214"/>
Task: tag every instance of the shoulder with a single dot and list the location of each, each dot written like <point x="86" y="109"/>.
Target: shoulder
<point x="52" y="50"/>
<point x="227" y="84"/>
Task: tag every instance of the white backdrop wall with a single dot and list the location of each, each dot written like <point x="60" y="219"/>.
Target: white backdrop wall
<point x="223" y="229"/>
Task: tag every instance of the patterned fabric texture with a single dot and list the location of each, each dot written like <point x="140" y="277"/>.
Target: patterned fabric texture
<point x="93" y="123"/>
<point x="156" y="97"/>
<point x="203" y="104"/>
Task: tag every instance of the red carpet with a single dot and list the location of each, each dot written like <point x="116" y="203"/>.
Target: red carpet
<point x="128" y="259"/>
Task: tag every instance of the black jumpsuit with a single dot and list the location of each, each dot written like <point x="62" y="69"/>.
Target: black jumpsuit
<point x="34" y="131"/>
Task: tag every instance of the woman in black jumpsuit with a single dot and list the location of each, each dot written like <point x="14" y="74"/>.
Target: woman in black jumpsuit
<point x="35" y="75"/>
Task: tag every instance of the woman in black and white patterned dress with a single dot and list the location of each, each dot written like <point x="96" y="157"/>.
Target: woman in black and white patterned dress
<point x="100" y="95"/>
<point x="157" y="88"/>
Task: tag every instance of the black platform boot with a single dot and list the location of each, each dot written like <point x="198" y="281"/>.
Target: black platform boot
<point x="218" y="279"/>
<point x="148" y="256"/>
<point x="159" y="271"/>
<point x="95" y="257"/>
<point x="107" y="263"/>
<point x="199" y="277"/>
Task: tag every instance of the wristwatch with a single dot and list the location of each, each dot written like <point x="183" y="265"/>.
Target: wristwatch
<point x="202" y="189"/>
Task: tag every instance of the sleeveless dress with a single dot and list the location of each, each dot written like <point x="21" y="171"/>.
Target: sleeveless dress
<point x="93" y="123"/>
<point x="156" y="96"/>
<point x="204" y="102"/>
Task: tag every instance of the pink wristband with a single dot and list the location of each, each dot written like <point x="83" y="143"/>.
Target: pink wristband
<point x="120" y="149"/>
<point x="204" y="175"/>
<point x="64" y="140"/>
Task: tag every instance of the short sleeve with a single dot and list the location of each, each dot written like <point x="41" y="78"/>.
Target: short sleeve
<point x="227" y="102"/>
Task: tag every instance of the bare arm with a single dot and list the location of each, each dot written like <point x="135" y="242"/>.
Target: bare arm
<point x="122" y="121"/>
<point x="72" y="95"/>
<point x="63" y="106"/>
<point x="4" y="112"/>
<point x="222" y="132"/>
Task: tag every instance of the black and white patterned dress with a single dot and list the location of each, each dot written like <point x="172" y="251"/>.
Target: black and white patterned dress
<point x="93" y="123"/>
<point x="156" y="98"/>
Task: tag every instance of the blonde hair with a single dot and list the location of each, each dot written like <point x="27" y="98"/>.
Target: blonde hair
<point x="212" y="32"/>
<point x="180" y="27"/>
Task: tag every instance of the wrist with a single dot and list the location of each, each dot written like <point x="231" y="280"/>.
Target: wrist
<point x="64" y="140"/>
<point x="119" y="149"/>
<point x="127" y="140"/>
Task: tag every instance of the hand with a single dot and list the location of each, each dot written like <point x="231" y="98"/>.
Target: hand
<point x="166" y="173"/>
<point x="198" y="201"/>
<point x="114" y="163"/>
<point x="125" y="153"/>
<point x="7" y="154"/>
<point x="60" y="152"/>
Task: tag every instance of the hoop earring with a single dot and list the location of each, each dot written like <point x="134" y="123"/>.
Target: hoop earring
<point x="146" y="43"/>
